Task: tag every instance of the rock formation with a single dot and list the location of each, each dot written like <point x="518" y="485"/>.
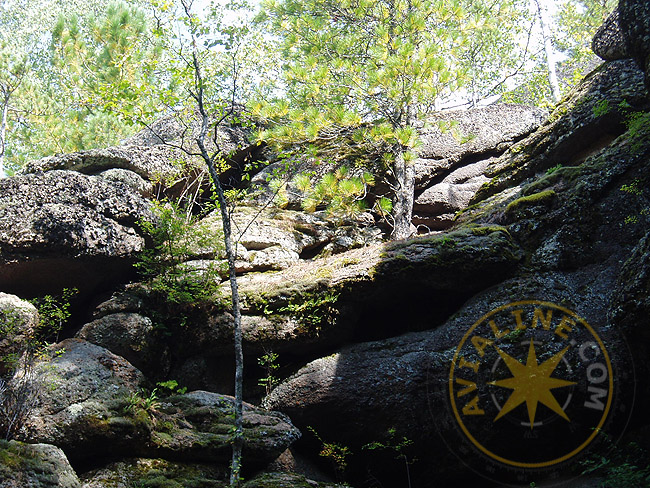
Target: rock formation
<point x="511" y="207"/>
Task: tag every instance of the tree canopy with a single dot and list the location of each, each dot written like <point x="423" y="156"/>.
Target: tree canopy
<point x="80" y="74"/>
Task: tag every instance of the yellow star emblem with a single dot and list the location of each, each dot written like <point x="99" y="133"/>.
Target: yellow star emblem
<point x="532" y="383"/>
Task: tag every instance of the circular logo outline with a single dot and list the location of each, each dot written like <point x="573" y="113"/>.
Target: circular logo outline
<point x="596" y="430"/>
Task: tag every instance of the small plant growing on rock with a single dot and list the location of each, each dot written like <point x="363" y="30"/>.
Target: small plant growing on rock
<point x="601" y="108"/>
<point x="621" y="467"/>
<point x="397" y="446"/>
<point x="334" y="452"/>
<point x="170" y="387"/>
<point x="142" y="401"/>
<point x="53" y="313"/>
<point x="638" y="124"/>
<point x="552" y="170"/>
<point x="313" y="311"/>
<point x="177" y="237"/>
<point x="268" y="361"/>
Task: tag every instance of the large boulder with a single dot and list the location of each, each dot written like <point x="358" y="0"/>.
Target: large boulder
<point x="436" y="207"/>
<point x="399" y="386"/>
<point x="274" y="239"/>
<point x="197" y="427"/>
<point x="457" y="148"/>
<point x="18" y="322"/>
<point x="65" y="220"/>
<point x="91" y="403"/>
<point x="286" y="480"/>
<point x="129" y="335"/>
<point x="35" y="466"/>
<point x="142" y="164"/>
<point x="82" y="391"/>
<point x="635" y="27"/>
<point x="608" y="42"/>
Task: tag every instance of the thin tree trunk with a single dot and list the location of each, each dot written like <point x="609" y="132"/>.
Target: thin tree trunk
<point x="550" y="53"/>
<point x="404" y="194"/>
<point x="3" y="134"/>
<point x="238" y="435"/>
<point x="238" y="438"/>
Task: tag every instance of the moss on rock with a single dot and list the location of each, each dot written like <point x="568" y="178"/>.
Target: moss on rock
<point x="545" y="198"/>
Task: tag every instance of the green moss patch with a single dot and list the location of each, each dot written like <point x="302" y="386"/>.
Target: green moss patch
<point x="545" y="197"/>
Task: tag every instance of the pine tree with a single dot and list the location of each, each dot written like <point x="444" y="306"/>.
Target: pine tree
<point x="384" y="63"/>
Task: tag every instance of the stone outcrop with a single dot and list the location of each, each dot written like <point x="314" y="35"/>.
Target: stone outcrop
<point x="366" y="331"/>
<point x="452" y="137"/>
<point x="625" y="34"/>
<point x="129" y="335"/>
<point x="586" y="121"/>
<point x="18" y="322"/>
<point x="285" y="480"/>
<point x="576" y="225"/>
<point x="457" y="147"/>
<point x="197" y="427"/>
<point x="82" y="391"/>
<point x="436" y="207"/>
<point x="92" y="403"/>
<point x="608" y="42"/>
<point x="156" y="472"/>
<point x="635" y="23"/>
<point x="65" y="220"/>
<point x="275" y="239"/>
<point x="35" y="466"/>
<point x="140" y="165"/>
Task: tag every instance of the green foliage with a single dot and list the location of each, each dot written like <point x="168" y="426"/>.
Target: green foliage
<point x="385" y="62"/>
<point x="552" y="170"/>
<point x="53" y="312"/>
<point x="339" y="193"/>
<point x="170" y="387"/>
<point x="576" y="22"/>
<point x="632" y="188"/>
<point x="635" y="192"/>
<point x="397" y="446"/>
<point x="601" y="108"/>
<point x="83" y="68"/>
<point x="392" y="443"/>
<point x="336" y="453"/>
<point x="142" y="401"/>
<point x="19" y="397"/>
<point x="269" y="362"/>
<point x="492" y="54"/>
<point x="176" y="237"/>
<point x="622" y="468"/>
<point x="314" y="311"/>
<point x="638" y="130"/>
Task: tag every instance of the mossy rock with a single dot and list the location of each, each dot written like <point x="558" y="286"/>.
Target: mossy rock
<point x="286" y="480"/>
<point x="575" y="129"/>
<point x="35" y="465"/>
<point x="468" y="258"/>
<point x="197" y="427"/>
<point x="156" y="473"/>
<point x="542" y="199"/>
